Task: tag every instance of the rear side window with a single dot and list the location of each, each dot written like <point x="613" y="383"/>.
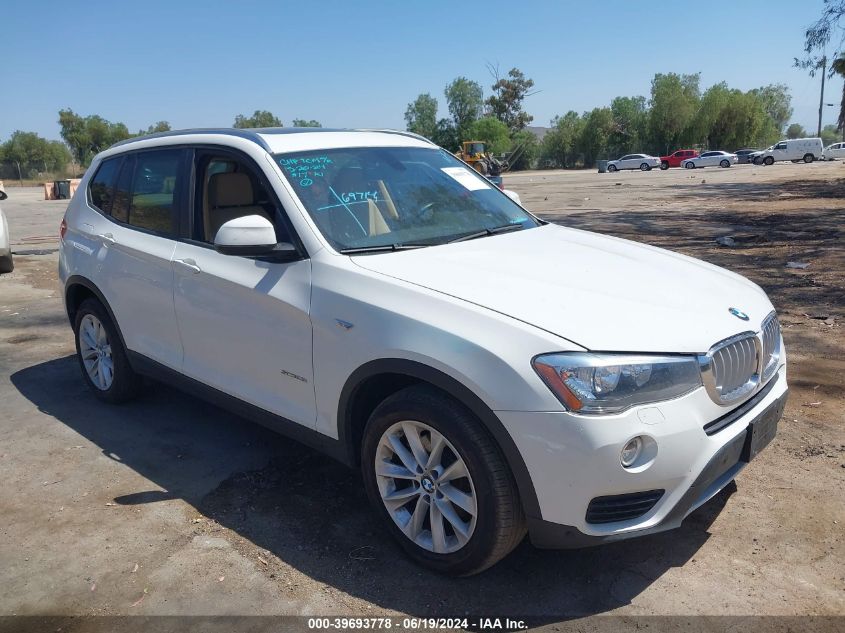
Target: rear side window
<point x="120" y="206"/>
<point x="155" y="182"/>
<point x="101" y="189"/>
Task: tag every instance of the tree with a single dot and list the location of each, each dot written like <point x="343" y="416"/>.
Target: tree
<point x="506" y="101"/>
<point x="161" y="126"/>
<point x="421" y="116"/>
<point x="838" y="67"/>
<point x="89" y="135"/>
<point x="493" y="132"/>
<point x="464" y="99"/>
<point x="524" y="150"/>
<point x="259" y="118"/>
<point x="598" y="125"/>
<point x="446" y="135"/>
<point x="830" y="134"/>
<point x="31" y="154"/>
<point x="818" y="36"/>
<point x="629" y="125"/>
<point x="674" y="103"/>
<point x="559" y="147"/>
<point x="777" y="103"/>
<point x="796" y="130"/>
<point x="304" y="123"/>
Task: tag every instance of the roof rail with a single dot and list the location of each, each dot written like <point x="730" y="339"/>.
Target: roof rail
<point x="254" y="134"/>
<point x="419" y="137"/>
<point x="249" y="134"/>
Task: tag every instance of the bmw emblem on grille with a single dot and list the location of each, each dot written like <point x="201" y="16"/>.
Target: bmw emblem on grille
<point x="739" y="314"/>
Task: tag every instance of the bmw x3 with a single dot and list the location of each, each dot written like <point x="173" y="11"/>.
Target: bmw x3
<point x="492" y="375"/>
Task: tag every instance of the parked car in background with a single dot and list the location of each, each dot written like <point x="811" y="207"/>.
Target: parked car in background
<point x="374" y="297"/>
<point x="6" y="263"/>
<point x="834" y="151"/>
<point x="710" y="159"/>
<point x="675" y="159"/>
<point x="794" y="149"/>
<point x="643" y="162"/>
<point x="743" y="156"/>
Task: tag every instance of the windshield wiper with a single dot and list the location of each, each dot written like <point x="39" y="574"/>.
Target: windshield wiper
<point x="383" y="248"/>
<point x="494" y="231"/>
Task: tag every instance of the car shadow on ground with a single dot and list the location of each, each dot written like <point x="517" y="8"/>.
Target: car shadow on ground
<point x="310" y="512"/>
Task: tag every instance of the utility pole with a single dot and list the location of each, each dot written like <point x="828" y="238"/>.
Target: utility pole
<point x="821" y="98"/>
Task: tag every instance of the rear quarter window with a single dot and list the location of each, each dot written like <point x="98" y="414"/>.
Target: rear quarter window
<point x="101" y="189"/>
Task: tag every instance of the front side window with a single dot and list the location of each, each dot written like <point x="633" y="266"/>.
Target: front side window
<point x="780" y="146"/>
<point x="362" y="198"/>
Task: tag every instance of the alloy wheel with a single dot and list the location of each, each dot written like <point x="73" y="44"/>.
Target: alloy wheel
<point x="96" y="352"/>
<point x="426" y="487"/>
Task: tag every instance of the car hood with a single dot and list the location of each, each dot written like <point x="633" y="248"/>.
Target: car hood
<point x="600" y="292"/>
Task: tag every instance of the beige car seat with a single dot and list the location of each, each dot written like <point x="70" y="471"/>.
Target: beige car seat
<point x="230" y="196"/>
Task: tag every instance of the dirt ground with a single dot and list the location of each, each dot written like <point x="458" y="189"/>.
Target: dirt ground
<point x="171" y="506"/>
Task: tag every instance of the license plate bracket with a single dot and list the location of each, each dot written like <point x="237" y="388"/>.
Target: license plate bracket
<point x="762" y="429"/>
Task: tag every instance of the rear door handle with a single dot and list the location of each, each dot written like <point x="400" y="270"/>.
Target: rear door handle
<point x="107" y="237"/>
<point x="190" y="264"/>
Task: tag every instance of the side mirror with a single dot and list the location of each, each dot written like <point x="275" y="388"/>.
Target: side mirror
<point x="252" y="235"/>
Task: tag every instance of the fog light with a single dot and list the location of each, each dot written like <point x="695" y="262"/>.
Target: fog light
<point x="631" y="451"/>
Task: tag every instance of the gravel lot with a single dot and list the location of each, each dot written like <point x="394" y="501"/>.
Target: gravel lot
<point x="171" y="506"/>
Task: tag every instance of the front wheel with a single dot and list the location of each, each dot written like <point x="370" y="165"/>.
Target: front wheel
<point x="769" y="161"/>
<point x="809" y="158"/>
<point x="689" y="165"/>
<point x="101" y="355"/>
<point x="664" y="165"/>
<point x="725" y="163"/>
<point x="611" y="168"/>
<point x="440" y="483"/>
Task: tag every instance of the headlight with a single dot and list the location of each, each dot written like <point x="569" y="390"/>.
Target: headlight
<point x="610" y="383"/>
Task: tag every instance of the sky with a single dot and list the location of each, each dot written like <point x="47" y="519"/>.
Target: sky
<point x="359" y="64"/>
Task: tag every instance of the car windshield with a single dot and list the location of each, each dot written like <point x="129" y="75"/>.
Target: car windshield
<point x="384" y="198"/>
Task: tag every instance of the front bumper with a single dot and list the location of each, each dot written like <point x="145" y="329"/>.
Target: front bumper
<point x="574" y="459"/>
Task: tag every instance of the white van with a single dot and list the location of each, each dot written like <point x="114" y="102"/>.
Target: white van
<point x="794" y="149"/>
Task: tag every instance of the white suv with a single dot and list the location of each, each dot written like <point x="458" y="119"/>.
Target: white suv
<point x="370" y="295"/>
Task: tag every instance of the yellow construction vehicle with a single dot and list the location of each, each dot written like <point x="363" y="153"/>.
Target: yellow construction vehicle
<point x="474" y="153"/>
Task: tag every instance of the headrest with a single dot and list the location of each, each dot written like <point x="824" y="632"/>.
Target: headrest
<point x="230" y="190"/>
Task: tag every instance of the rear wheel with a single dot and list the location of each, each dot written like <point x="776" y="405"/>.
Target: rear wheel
<point x="809" y="158"/>
<point x="440" y="483"/>
<point x="725" y="163"/>
<point x="769" y="161"/>
<point x="101" y="355"/>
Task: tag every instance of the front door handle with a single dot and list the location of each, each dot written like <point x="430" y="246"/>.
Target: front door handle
<point x="107" y="237"/>
<point x="190" y="264"/>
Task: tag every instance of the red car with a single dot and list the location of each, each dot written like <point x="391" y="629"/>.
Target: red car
<point x="674" y="160"/>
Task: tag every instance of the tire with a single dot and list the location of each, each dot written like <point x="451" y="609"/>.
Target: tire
<point x="498" y="524"/>
<point x="725" y="163"/>
<point x="645" y="167"/>
<point x="689" y="165"/>
<point x="769" y="161"/>
<point x="809" y="158"/>
<point x="611" y="168"/>
<point x="98" y="340"/>
<point x="664" y="165"/>
<point x="7" y="265"/>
